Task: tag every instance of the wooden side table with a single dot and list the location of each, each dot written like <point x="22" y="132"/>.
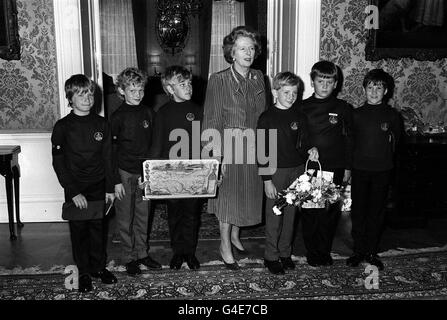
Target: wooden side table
<point x="10" y="169"/>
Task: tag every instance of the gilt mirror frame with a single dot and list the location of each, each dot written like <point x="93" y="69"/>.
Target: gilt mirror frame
<point x="9" y="31"/>
<point x="396" y="43"/>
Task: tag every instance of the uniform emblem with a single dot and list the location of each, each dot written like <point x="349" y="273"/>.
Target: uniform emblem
<point x="190" y="116"/>
<point x="384" y="126"/>
<point x="294" y="125"/>
<point x="333" y="118"/>
<point x="58" y="147"/>
<point x="145" y="124"/>
<point x="98" y="136"/>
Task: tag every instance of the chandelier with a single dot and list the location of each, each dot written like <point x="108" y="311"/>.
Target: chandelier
<point x="172" y="23"/>
<point x="183" y="7"/>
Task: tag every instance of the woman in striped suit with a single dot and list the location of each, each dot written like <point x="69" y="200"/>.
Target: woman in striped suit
<point x="235" y="98"/>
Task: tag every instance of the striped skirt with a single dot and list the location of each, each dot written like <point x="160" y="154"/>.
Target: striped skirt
<point x="239" y="197"/>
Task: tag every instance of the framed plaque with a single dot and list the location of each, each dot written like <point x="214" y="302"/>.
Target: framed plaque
<point x="174" y="179"/>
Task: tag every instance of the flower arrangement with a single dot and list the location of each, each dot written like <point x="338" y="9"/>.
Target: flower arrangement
<point x="309" y="191"/>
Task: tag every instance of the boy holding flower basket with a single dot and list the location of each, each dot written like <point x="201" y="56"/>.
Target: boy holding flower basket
<point x="330" y="121"/>
<point x="291" y="142"/>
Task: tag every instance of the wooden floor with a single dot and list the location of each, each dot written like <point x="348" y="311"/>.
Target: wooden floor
<point x="48" y="244"/>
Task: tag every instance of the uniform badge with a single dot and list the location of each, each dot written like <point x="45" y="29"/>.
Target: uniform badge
<point x="333" y="118"/>
<point x="294" y="125"/>
<point x="384" y="126"/>
<point x="98" y="136"/>
<point x="145" y="124"/>
<point x="190" y="116"/>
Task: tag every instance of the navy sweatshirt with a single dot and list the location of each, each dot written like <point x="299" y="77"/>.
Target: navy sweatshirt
<point x="176" y="115"/>
<point x="292" y="136"/>
<point x="330" y="122"/>
<point x="82" y="156"/>
<point x="376" y="131"/>
<point x="132" y="128"/>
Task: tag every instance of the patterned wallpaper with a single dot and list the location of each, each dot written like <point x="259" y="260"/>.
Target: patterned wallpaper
<point x="28" y="88"/>
<point x="418" y="83"/>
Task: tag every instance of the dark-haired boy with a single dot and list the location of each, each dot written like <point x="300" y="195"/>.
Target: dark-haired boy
<point x="82" y="160"/>
<point x="180" y="113"/>
<point x="376" y="130"/>
<point x="330" y="120"/>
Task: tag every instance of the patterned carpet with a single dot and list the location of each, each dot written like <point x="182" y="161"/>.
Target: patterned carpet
<point x="421" y="275"/>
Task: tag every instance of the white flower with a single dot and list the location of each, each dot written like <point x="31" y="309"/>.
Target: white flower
<point x="277" y="211"/>
<point x="304" y="186"/>
<point x="290" y="197"/>
<point x="316" y="195"/>
<point x="303" y="178"/>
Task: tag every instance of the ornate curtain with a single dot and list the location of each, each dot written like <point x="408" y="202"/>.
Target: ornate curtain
<point x="117" y="36"/>
<point x="226" y="15"/>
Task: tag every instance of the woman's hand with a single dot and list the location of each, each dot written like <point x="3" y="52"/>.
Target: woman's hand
<point x="270" y="189"/>
<point x="119" y="191"/>
<point x="313" y="154"/>
<point x="80" y="201"/>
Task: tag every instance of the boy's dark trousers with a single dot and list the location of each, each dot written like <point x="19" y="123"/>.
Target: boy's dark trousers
<point x="183" y="222"/>
<point x="132" y="213"/>
<point x="279" y="229"/>
<point x="87" y="241"/>
<point x="369" y="191"/>
<point x="319" y="225"/>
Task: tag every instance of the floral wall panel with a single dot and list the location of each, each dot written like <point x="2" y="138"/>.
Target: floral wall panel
<point x="418" y="83"/>
<point x="28" y="88"/>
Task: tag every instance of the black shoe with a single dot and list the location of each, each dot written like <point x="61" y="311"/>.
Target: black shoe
<point x="274" y="267"/>
<point x="231" y="266"/>
<point x="287" y="263"/>
<point x="106" y="276"/>
<point x="85" y="283"/>
<point x="150" y="263"/>
<point x="176" y="262"/>
<point x="239" y="251"/>
<point x="133" y="267"/>
<point x="355" y="260"/>
<point x="192" y="262"/>
<point x="314" y="262"/>
<point x="327" y="260"/>
<point x="374" y="260"/>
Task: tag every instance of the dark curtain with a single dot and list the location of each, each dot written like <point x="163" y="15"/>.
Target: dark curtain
<point x="205" y="36"/>
<point x="140" y="21"/>
<point x="258" y="21"/>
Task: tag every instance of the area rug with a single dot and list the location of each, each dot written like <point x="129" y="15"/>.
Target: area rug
<point x="420" y="275"/>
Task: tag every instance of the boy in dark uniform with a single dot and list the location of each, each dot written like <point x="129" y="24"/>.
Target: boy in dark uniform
<point x="376" y="131"/>
<point x="329" y="130"/>
<point x="291" y="127"/>
<point x="132" y="125"/>
<point x="179" y="114"/>
<point x="81" y="149"/>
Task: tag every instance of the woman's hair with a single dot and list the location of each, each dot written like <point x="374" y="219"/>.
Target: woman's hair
<point x="241" y="31"/>
<point x="78" y="83"/>
<point x="286" y="79"/>
<point x="131" y="76"/>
